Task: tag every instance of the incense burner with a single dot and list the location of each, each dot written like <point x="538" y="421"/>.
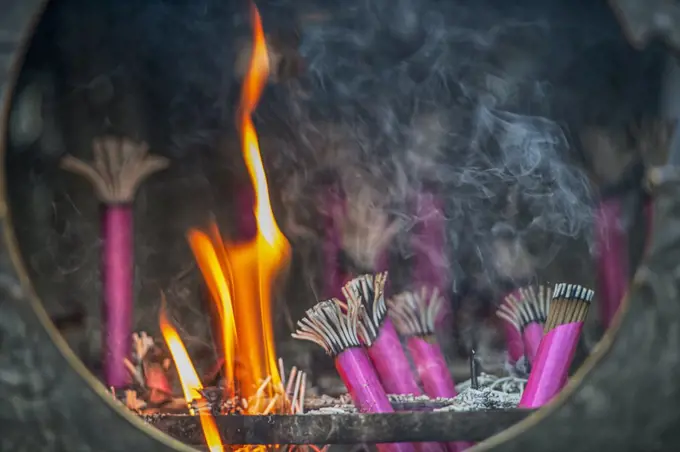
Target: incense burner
<point x="625" y="396"/>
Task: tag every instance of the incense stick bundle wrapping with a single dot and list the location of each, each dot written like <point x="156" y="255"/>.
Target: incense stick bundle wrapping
<point x="432" y="267"/>
<point x="414" y="315"/>
<point x="513" y="337"/>
<point x="526" y="311"/>
<point x="328" y="326"/>
<point x="568" y="310"/>
<point x="612" y="257"/>
<point x="376" y="331"/>
<point x="119" y="167"/>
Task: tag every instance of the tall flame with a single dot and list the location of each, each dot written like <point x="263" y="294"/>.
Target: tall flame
<point x="240" y="275"/>
<point x="191" y="384"/>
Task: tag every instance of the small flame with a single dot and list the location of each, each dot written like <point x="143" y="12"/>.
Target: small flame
<point x="240" y="275"/>
<point x="191" y="384"/>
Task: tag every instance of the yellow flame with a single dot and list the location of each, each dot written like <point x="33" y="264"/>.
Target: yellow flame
<point x="240" y="275"/>
<point x="215" y="270"/>
<point x="191" y="384"/>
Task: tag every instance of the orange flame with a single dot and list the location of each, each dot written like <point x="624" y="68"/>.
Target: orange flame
<point x="212" y="260"/>
<point x="191" y="384"/>
<point x="240" y="275"/>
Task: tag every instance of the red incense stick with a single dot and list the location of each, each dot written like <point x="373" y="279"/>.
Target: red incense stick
<point x="431" y="268"/>
<point x="118" y="169"/>
<point x="549" y="373"/>
<point x="612" y="257"/>
<point x="367" y="293"/>
<point x="328" y="326"/>
<point x="414" y="316"/>
<point x="526" y="310"/>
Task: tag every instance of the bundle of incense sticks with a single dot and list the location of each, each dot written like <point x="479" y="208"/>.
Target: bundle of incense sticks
<point x="414" y="316"/>
<point x="376" y="331"/>
<point x="513" y="336"/>
<point x="367" y="294"/>
<point x="568" y="311"/>
<point x="612" y="257"/>
<point x="336" y="331"/>
<point x="526" y="310"/>
<point x="120" y="165"/>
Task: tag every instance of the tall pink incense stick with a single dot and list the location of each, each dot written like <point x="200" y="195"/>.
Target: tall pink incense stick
<point x="334" y="276"/>
<point x="549" y="372"/>
<point x="612" y="257"/>
<point x="526" y="311"/>
<point x="414" y="315"/>
<point x="336" y="331"/>
<point x="432" y="268"/>
<point x="119" y="167"/>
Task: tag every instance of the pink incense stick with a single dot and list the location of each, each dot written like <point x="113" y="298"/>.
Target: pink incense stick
<point x="377" y="332"/>
<point x="117" y="271"/>
<point x="382" y="343"/>
<point x="414" y="316"/>
<point x="432" y="267"/>
<point x="513" y="336"/>
<point x="532" y="336"/>
<point x="526" y="311"/>
<point x="336" y="331"/>
<point x="513" y="342"/>
<point x="550" y="369"/>
<point x="612" y="257"/>
<point x="362" y="382"/>
<point x="119" y="167"/>
<point x="334" y="276"/>
<point x="431" y="366"/>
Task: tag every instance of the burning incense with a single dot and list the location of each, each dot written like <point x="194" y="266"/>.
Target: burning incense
<point x="527" y="315"/>
<point x="119" y="167"/>
<point x="367" y="294"/>
<point x="612" y="257"/>
<point x="414" y="315"/>
<point x="568" y="310"/>
<point x="335" y="331"/>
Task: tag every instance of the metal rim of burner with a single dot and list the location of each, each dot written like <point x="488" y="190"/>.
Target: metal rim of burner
<point x="74" y="391"/>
